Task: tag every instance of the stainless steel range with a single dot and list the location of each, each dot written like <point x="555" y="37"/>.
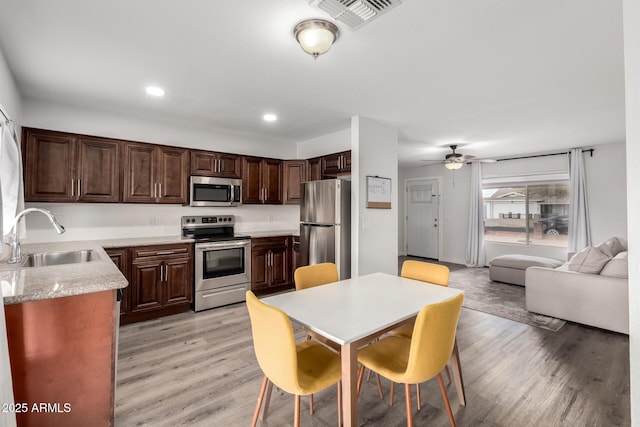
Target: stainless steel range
<point x="222" y="260"/>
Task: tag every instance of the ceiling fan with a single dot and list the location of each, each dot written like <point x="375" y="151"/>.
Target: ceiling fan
<point x="455" y="160"/>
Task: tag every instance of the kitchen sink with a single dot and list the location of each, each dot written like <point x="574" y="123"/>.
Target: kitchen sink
<point x="44" y="259"/>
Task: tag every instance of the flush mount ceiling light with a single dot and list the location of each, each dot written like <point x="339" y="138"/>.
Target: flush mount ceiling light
<point x="269" y="117"/>
<point x="155" y="91"/>
<point x="316" y="36"/>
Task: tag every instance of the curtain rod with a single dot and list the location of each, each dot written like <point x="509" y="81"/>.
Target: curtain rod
<point x="590" y="151"/>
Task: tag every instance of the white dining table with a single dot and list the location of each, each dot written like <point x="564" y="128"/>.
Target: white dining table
<point x="353" y="312"/>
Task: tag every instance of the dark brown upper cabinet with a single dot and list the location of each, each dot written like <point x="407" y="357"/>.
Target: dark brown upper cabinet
<point x="315" y="169"/>
<point x="62" y="167"/>
<point x="261" y="180"/>
<point x="294" y="173"/>
<point x="336" y="164"/>
<point x="155" y="174"/>
<point x="209" y="163"/>
<point x="68" y="167"/>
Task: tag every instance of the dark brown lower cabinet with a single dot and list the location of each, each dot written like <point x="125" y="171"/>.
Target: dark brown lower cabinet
<point x="271" y="268"/>
<point x="120" y="257"/>
<point x="160" y="280"/>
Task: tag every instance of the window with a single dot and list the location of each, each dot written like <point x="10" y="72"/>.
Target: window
<point x="527" y="213"/>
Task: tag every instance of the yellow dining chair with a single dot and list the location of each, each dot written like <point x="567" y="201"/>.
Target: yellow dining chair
<point x="310" y="276"/>
<point x="425" y="272"/>
<point x="299" y="369"/>
<point x="416" y="360"/>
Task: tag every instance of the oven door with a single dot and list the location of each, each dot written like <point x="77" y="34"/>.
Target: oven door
<point x="221" y="264"/>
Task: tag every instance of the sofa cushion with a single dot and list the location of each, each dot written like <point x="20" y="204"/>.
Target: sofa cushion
<point x="522" y="262"/>
<point x="611" y="247"/>
<point x="618" y="266"/>
<point x="589" y="260"/>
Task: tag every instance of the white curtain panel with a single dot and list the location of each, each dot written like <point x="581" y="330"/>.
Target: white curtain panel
<point x="579" y="228"/>
<point x="475" y="256"/>
<point x="11" y="185"/>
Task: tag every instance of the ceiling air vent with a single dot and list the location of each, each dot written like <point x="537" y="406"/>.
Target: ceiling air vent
<point x="355" y="13"/>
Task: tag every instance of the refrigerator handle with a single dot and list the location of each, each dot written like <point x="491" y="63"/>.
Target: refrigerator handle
<point x="317" y="225"/>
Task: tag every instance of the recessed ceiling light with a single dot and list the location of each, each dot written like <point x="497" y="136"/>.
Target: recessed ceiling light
<point x="155" y="91"/>
<point x="270" y="117"/>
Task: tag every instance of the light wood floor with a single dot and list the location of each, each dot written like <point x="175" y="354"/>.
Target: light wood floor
<point x="199" y="369"/>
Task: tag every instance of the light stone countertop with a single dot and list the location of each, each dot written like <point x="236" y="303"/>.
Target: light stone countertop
<point x="142" y="241"/>
<point x="271" y="233"/>
<point x="39" y="283"/>
<point x="26" y="284"/>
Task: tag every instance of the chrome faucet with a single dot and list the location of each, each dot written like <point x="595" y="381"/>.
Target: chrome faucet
<point x="16" y="253"/>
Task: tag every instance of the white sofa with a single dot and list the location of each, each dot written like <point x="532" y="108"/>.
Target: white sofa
<point x="600" y="300"/>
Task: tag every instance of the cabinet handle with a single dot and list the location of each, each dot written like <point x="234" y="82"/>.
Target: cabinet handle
<point x="159" y="190"/>
<point x="218" y="166"/>
<point x="161" y="273"/>
<point x="155" y="190"/>
<point x="72" y="187"/>
<point x="165" y="253"/>
<point x="79" y="192"/>
<point x="166" y="273"/>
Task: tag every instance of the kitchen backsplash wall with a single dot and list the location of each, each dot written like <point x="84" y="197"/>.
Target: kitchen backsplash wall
<point x="97" y="221"/>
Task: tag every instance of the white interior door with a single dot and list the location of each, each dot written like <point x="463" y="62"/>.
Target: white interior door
<point x="422" y="218"/>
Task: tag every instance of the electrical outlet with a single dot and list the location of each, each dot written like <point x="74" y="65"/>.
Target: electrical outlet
<point x="269" y="218"/>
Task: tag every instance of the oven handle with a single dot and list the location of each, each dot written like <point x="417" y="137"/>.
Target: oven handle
<point x="214" y="294"/>
<point x="222" y="245"/>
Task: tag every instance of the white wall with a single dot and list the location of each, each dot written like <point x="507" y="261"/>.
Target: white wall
<point x="374" y="151"/>
<point x="631" y="17"/>
<point x="326" y="144"/>
<point x="96" y="221"/>
<point x="606" y="194"/>
<point x="11" y="101"/>
<point x="607" y="191"/>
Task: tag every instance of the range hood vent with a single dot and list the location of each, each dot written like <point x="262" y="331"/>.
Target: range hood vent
<point x="355" y="13"/>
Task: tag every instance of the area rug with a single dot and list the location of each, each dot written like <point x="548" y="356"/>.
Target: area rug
<point x="499" y="299"/>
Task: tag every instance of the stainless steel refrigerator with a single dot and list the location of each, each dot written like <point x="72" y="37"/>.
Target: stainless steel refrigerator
<point x="325" y="224"/>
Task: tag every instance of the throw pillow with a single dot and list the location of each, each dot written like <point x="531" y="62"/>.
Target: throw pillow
<point x="589" y="260"/>
<point x="617" y="267"/>
<point x="611" y="247"/>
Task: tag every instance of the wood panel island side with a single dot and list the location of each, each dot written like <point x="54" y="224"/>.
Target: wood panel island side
<point x="61" y="331"/>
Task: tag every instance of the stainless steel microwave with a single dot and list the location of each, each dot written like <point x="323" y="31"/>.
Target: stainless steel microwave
<point x="208" y="191"/>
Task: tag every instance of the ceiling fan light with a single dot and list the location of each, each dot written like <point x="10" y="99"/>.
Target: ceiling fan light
<point x="452" y="165"/>
<point x="316" y="36"/>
